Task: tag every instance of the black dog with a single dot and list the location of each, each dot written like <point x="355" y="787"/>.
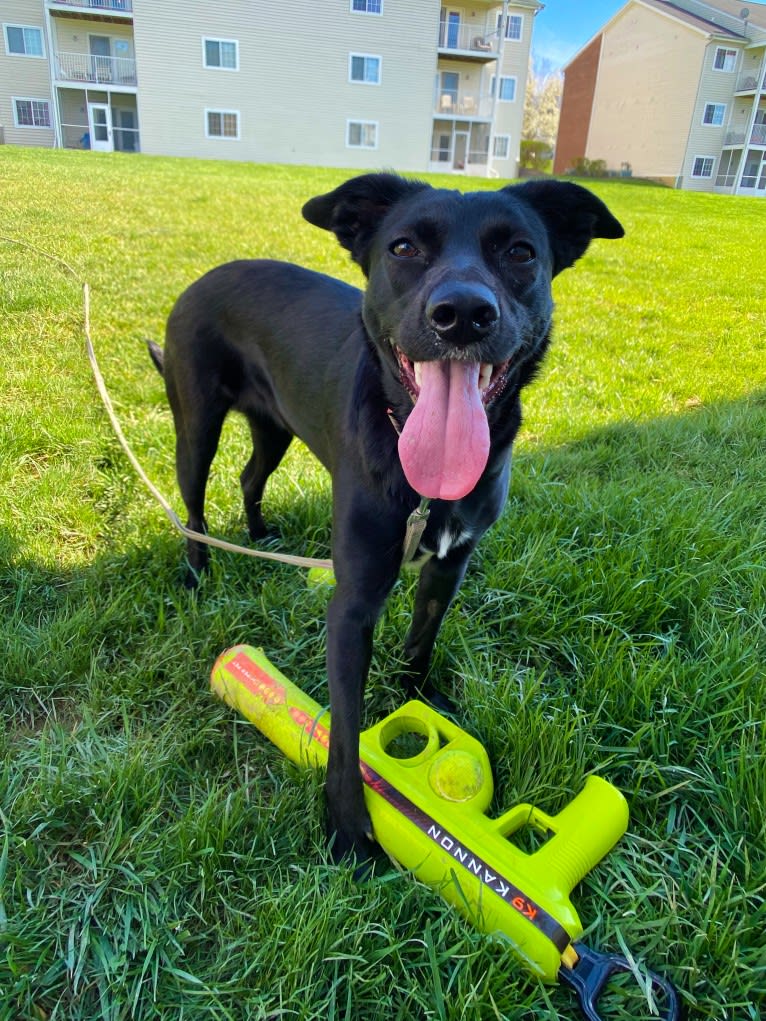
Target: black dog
<point x="410" y="390"/>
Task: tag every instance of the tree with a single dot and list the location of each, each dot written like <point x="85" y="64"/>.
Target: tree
<point x="541" y="114"/>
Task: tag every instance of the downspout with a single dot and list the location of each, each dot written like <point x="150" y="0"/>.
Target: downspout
<point x="496" y="93"/>
<point x="58" y="142"/>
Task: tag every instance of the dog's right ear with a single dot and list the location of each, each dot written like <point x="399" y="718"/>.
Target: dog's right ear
<point x="354" y="210"/>
<point x="573" y="217"/>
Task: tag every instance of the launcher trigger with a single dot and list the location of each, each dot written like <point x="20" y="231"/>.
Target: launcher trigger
<point x="592" y="971"/>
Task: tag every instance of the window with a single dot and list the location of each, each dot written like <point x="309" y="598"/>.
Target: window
<point x="501" y="147"/>
<point x="507" y="93"/>
<point x="367" y="6"/>
<point x="703" y="166"/>
<point x="32" y="113"/>
<point x="364" y="68"/>
<point x="221" y="53"/>
<point x="361" y="134"/>
<point x="513" y="26"/>
<point x="714" y="114"/>
<point x="23" y="41"/>
<point x="725" y="60"/>
<point x="222" y="124"/>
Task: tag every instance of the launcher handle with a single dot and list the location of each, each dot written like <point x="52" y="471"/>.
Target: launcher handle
<point x="578" y="837"/>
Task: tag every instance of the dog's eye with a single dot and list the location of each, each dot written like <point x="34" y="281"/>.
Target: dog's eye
<point x="521" y="253"/>
<point x="403" y="248"/>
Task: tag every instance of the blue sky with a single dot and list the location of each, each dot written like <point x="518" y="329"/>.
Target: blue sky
<point x="564" y="26"/>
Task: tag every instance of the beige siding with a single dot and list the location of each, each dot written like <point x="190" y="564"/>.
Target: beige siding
<point x="705" y="140"/>
<point x="292" y="89"/>
<point x="509" y="117"/>
<point x="646" y="93"/>
<point x="23" y="77"/>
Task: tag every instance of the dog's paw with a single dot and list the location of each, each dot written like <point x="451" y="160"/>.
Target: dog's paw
<point x="192" y="579"/>
<point x="352" y="845"/>
<point x="362" y="855"/>
<point x="426" y="692"/>
<point x="197" y="562"/>
<point x="258" y="531"/>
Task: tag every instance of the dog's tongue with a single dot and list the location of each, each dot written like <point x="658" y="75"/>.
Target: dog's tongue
<point x="444" y="444"/>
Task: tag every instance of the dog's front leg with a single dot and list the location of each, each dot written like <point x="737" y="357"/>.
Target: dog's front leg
<point x="439" y="580"/>
<point x="349" y="650"/>
<point x="366" y="567"/>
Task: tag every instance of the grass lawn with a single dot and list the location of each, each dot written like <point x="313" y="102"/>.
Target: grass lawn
<point x="158" y="858"/>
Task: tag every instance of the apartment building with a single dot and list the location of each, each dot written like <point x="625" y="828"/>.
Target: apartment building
<point x="349" y="83"/>
<point x="674" y="91"/>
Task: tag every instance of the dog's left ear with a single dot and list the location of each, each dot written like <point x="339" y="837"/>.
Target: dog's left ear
<point x="572" y="215"/>
<point x="354" y="210"/>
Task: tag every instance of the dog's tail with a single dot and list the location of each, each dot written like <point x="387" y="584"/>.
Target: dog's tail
<point x="157" y="355"/>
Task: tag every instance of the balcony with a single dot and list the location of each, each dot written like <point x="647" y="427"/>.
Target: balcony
<point x="468" y="40"/>
<point x="86" y="68"/>
<point x="462" y="105"/>
<point x="96" y="6"/>
<point x="462" y="149"/>
<point x="757" y="136"/>
<point x="748" y="82"/>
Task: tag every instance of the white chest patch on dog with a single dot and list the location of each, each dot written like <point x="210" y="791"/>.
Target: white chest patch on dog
<point x="453" y="534"/>
<point x="450" y="538"/>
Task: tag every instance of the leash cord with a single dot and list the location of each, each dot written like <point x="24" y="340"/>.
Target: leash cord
<point x="209" y="540"/>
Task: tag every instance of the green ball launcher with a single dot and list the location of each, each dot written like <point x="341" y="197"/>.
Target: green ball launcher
<point x="428" y="786"/>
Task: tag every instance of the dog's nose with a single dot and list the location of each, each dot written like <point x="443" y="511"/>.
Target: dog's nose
<point x="462" y="312"/>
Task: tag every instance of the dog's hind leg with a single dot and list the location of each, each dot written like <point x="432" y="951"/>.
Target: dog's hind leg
<point x="270" y="442"/>
<point x="196" y="443"/>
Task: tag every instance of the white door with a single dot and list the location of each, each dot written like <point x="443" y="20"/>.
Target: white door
<point x="449" y="29"/>
<point x="100" y="124"/>
<point x="100" y="58"/>
<point x="461" y="150"/>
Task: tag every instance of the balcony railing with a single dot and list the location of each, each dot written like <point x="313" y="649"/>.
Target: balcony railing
<point x="474" y="157"/>
<point x="464" y="105"/>
<point x="726" y="180"/>
<point x="757" y="136"/>
<point x="748" y="82"/>
<point x="755" y="180"/>
<point x="85" y="67"/>
<point x="472" y="37"/>
<point x="107" y="6"/>
<point x="77" y="136"/>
